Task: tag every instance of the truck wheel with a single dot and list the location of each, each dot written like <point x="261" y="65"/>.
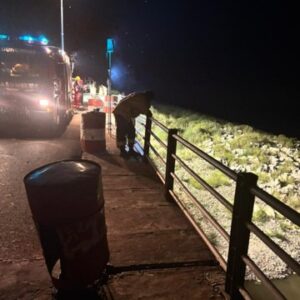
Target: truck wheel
<point x="55" y="126"/>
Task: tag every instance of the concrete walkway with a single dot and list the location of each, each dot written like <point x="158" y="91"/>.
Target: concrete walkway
<point x="155" y="252"/>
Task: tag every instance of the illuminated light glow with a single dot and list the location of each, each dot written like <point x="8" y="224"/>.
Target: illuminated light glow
<point x="48" y="50"/>
<point x="81" y="167"/>
<point x="8" y="50"/>
<point x="26" y="38"/>
<point x="116" y="73"/>
<point x="42" y="40"/>
<point x="62" y="53"/>
<point x="4" y="37"/>
<point x="109" y="45"/>
<point x="44" y="103"/>
<point x="38" y="173"/>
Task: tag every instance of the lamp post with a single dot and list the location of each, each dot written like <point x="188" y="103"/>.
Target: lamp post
<point x="62" y="25"/>
<point x="109" y="52"/>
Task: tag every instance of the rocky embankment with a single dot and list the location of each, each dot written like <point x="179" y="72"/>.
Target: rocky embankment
<point x="276" y="161"/>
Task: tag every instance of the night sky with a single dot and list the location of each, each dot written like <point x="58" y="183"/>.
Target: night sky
<point x="239" y="61"/>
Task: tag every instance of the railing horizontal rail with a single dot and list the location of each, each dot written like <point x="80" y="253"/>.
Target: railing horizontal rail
<point x="275" y="248"/>
<point x="161" y="126"/>
<point x="263" y="278"/>
<point x="203" y="210"/>
<point x="142" y="118"/>
<point x="209" y="244"/>
<point x="140" y="134"/>
<point x="142" y="124"/>
<point x="159" y="140"/>
<point x="208" y="187"/>
<point x="208" y="158"/>
<point x="157" y="154"/>
<point x="245" y="294"/>
<point x="277" y="205"/>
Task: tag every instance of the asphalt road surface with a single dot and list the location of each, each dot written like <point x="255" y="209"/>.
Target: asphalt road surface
<point x="21" y="152"/>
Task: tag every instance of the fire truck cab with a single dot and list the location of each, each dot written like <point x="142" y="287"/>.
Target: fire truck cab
<point x="35" y="83"/>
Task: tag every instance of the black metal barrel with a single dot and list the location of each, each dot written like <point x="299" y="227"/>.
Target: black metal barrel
<point x="67" y="205"/>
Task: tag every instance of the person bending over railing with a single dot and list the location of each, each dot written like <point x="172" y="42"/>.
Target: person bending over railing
<point x="125" y="113"/>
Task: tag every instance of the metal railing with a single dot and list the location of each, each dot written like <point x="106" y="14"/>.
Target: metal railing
<point x="242" y="209"/>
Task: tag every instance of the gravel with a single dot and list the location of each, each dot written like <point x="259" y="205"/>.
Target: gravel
<point x="287" y="238"/>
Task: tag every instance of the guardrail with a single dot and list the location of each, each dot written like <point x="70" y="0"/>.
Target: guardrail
<point x="242" y="209"/>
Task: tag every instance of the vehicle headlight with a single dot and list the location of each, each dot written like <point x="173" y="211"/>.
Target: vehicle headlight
<point x="44" y="103"/>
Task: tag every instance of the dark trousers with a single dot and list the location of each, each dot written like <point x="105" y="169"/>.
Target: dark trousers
<point x="125" y="132"/>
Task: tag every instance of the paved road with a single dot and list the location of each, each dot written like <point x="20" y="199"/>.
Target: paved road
<point x="19" y="154"/>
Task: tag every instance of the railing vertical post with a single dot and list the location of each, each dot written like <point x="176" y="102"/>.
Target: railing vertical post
<point x="147" y="136"/>
<point x="240" y="234"/>
<point x="170" y="164"/>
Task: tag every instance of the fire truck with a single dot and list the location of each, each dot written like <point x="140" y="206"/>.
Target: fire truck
<point x="35" y="83"/>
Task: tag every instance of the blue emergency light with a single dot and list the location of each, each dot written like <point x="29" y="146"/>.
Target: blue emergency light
<point x="26" y="38"/>
<point x="42" y="40"/>
<point x="4" y="37"/>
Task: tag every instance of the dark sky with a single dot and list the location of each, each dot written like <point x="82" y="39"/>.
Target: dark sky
<point x="236" y="61"/>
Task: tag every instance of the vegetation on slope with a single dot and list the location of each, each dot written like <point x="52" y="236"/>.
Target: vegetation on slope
<point x="275" y="159"/>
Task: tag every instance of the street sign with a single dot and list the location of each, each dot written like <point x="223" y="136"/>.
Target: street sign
<point x="109" y="45"/>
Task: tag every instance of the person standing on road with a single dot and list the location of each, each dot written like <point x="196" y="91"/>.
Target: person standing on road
<point x="78" y="90"/>
<point x="125" y="113"/>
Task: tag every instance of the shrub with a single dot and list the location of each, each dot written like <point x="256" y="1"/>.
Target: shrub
<point x="293" y="201"/>
<point x="259" y="215"/>
<point x="285" y="141"/>
<point x="263" y="177"/>
<point x="286" y="167"/>
<point x="286" y="225"/>
<point x="185" y="154"/>
<point x="276" y="234"/>
<point x="223" y="154"/>
<point x="194" y="183"/>
<point x="214" y="178"/>
<point x="246" y="140"/>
